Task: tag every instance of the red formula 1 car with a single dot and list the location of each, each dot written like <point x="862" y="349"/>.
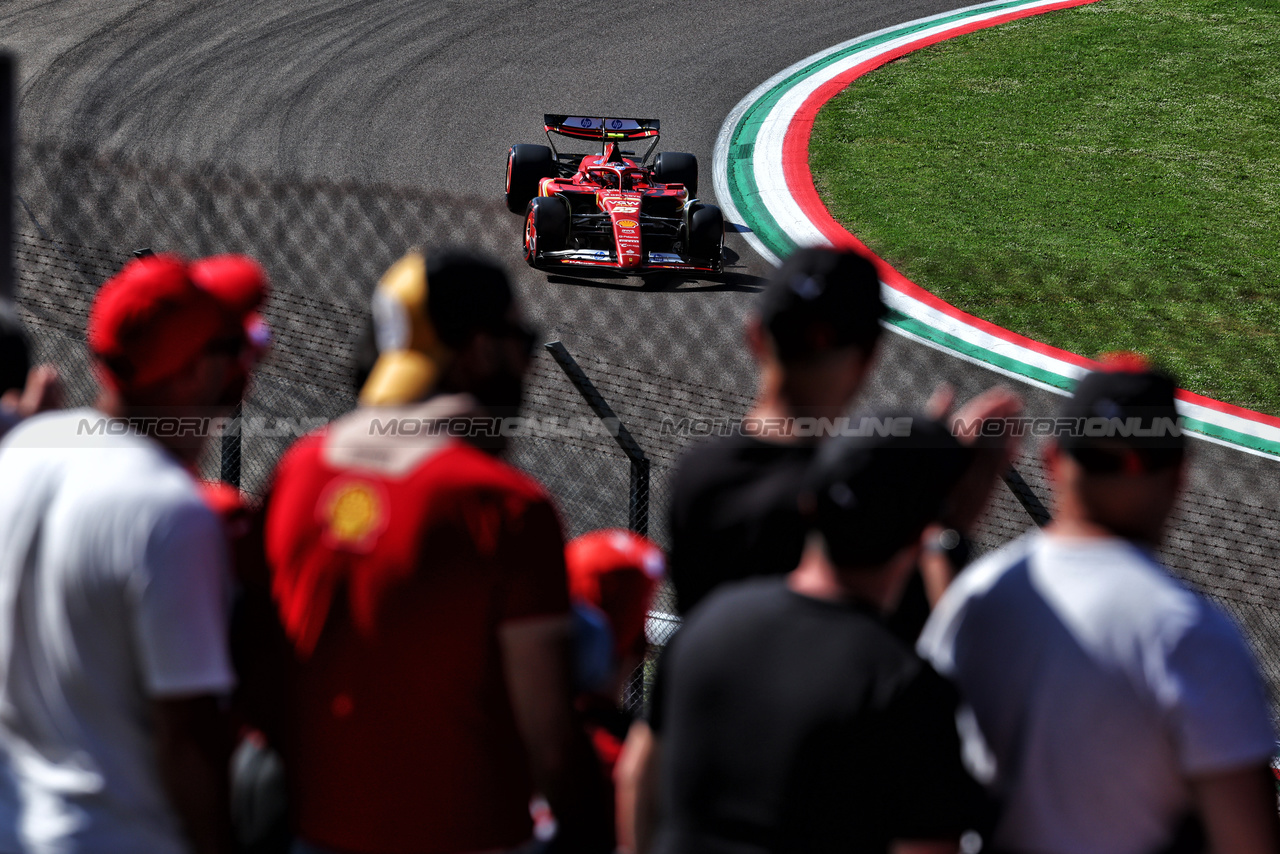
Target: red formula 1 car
<point x="612" y="209"/>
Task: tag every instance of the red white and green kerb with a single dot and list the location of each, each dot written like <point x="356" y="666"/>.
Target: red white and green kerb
<point x="762" y="180"/>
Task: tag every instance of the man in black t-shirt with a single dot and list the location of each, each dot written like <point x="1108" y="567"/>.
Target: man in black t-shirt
<point x="732" y="513"/>
<point x="786" y="716"/>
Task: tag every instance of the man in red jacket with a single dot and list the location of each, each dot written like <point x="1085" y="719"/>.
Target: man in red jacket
<point x="420" y="582"/>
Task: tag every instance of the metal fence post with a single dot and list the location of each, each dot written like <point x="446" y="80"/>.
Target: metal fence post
<point x="1027" y="498"/>
<point x="638" y="503"/>
<point x="229" y="469"/>
<point x="638" y="507"/>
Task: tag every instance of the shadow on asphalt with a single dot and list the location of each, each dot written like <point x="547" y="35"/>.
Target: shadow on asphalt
<point x="662" y="282"/>
<point x="730" y="280"/>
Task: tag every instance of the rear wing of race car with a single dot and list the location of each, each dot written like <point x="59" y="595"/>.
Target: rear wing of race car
<point x="604" y="129"/>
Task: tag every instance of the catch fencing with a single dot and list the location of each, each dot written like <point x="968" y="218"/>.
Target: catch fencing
<point x="80" y="215"/>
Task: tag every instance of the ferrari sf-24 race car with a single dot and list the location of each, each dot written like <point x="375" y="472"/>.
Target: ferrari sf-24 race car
<point x="612" y="209"/>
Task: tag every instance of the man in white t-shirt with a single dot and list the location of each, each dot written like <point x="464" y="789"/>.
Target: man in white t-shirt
<point x="1112" y="710"/>
<point x="113" y="578"/>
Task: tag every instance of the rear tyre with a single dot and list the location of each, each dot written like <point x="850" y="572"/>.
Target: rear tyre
<point x="527" y="165"/>
<point x="674" y="167"/>
<point x="546" y="227"/>
<point x="706" y="235"/>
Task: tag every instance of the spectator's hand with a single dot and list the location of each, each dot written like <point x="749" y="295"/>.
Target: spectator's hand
<point x="995" y="451"/>
<point x="42" y="392"/>
<point x="995" y="403"/>
<point x="940" y="402"/>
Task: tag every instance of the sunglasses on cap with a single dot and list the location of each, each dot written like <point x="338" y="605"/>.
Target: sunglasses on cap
<point x="249" y="346"/>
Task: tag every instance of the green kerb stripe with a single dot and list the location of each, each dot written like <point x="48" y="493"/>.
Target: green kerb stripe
<point x="1226" y="434"/>
<point x="921" y="330"/>
<point x="959" y="345"/>
<point x="745" y="194"/>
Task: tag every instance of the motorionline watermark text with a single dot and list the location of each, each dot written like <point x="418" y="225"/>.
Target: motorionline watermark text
<point x="508" y="427"/>
<point x="200" y="427"/>
<point x="555" y="427"/>
<point x="1095" y="427"/>
<point x="462" y="427"/>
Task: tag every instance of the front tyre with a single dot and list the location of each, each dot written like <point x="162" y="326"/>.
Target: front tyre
<point x="706" y="236"/>
<point x="546" y="227"/>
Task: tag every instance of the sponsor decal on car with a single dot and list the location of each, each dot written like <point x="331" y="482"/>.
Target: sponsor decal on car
<point x="628" y="223"/>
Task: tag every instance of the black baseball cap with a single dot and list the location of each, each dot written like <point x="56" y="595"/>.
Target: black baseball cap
<point x="820" y="300"/>
<point x="1126" y="419"/>
<point x="466" y="294"/>
<point x="872" y="496"/>
<point x="424" y="311"/>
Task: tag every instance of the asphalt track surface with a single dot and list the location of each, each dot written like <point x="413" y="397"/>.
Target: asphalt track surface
<point x="418" y="94"/>
<point x="430" y="95"/>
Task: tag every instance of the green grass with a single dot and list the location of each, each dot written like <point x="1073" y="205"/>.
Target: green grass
<point x="1098" y="178"/>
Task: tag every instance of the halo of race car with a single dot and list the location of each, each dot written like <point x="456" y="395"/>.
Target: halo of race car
<point x="613" y="209"/>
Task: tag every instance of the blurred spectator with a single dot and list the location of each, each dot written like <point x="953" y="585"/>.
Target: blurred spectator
<point x="259" y="799"/>
<point x="1113" y="711"/>
<point x="786" y="716"/>
<point x="113" y="647"/>
<point x="421" y="585"/>
<point x="814" y="336"/>
<point x="613" y="575"/>
<point x="24" y="390"/>
<point x="242" y="527"/>
<point x="615" y="572"/>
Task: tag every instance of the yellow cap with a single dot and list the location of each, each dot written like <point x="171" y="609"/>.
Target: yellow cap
<point x="410" y="353"/>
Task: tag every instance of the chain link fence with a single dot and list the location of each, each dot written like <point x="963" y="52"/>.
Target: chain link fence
<point x="325" y="245"/>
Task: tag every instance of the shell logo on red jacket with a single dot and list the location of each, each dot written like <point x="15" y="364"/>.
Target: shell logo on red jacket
<point x="352" y="513"/>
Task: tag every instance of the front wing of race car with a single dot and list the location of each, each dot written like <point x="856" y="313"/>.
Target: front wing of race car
<point x="622" y="238"/>
<point x="654" y="261"/>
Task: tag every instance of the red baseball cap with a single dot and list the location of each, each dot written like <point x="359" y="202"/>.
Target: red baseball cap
<point x="157" y="314"/>
<point x="617" y="571"/>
